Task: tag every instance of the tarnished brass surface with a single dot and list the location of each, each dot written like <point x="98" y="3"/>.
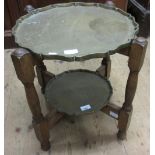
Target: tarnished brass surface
<point x="78" y="91"/>
<point x="75" y="31"/>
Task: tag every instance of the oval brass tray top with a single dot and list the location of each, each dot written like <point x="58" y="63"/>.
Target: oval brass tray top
<point x="78" y="91"/>
<point x="75" y="31"/>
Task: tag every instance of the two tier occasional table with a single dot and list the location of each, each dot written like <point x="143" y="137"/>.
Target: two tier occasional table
<point x="76" y="32"/>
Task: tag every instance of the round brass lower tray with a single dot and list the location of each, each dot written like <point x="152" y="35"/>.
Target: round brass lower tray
<point x="78" y="91"/>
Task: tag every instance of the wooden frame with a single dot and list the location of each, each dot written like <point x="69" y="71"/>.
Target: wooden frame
<point x="24" y="62"/>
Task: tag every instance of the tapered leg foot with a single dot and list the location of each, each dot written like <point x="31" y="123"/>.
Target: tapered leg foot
<point x="121" y="135"/>
<point x="45" y="146"/>
<point x="42" y="133"/>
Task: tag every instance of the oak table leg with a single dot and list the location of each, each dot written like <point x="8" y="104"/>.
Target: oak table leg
<point x="40" y="69"/>
<point x="136" y="59"/>
<point x="24" y="66"/>
<point x="107" y="63"/>
<point x="105" y="67"/>
<point x="42" y="74"/>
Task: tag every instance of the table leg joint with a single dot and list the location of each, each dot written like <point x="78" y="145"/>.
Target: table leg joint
<point x="53" y="117"/>
<point x="112" y="110"/>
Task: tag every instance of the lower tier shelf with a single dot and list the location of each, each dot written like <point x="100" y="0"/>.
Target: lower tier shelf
<point x="78" y="91"/>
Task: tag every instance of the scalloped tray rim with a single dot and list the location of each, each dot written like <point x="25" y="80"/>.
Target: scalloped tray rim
<point x="85" y="57"/>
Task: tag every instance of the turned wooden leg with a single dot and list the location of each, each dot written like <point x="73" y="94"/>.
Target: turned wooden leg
<point x="107" y="63"/>
<point x="42" y="74"/>
<point x="105" y="67"/>
<point x="136" y="59"/>
<point x="24" y="66"/>
<point x="40" y="69"/>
